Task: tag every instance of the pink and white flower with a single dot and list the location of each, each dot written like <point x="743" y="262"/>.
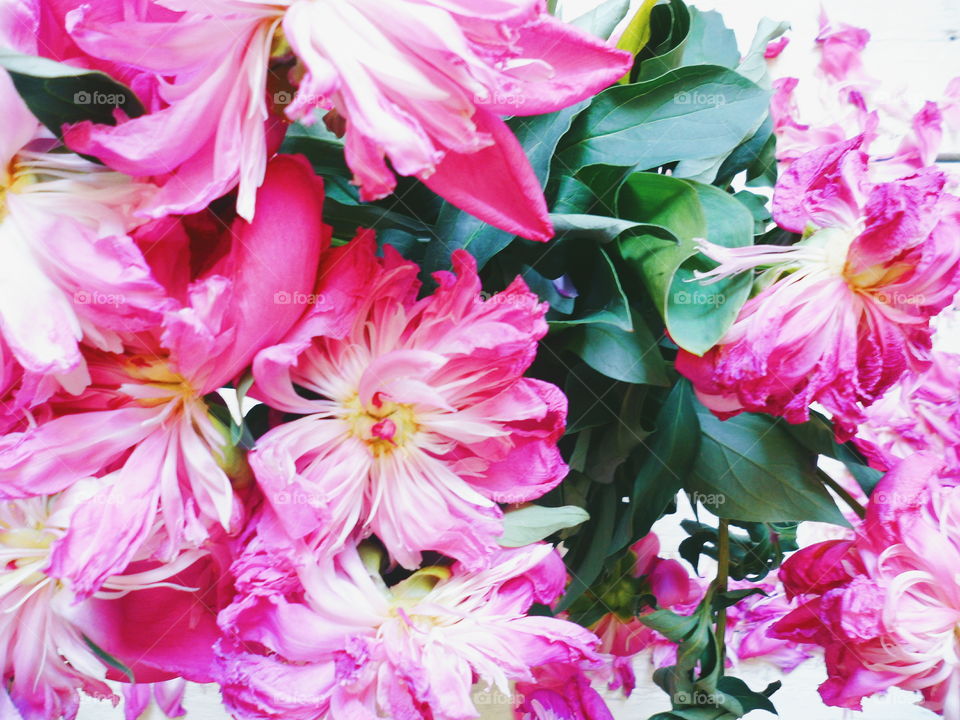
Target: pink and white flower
<point x="70" y="271"/>
<point x="47" y="653"/>
<point x="886" y="605"/>
<point x="845" y="312"/>
<point x="336" y="639"/>
<point x="920" y="413"/>
<point x="418" y="83"/>
<point x="418" y="419"/>
<point x="163" y="463"/>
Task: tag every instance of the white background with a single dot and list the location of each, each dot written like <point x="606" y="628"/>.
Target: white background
<point x="915" y="48"/>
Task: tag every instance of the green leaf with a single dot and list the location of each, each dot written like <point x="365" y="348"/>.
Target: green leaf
<point x="108" y="659"/>
<point x="703" y="111"/>
<point x="672" y="215"/>
<point x="637" y="33"/>
<point x="59" y="94"/>
<point x="698" y="315"/>
<point x="710" y="41"/>
<point x="602" y="299"/>
<point x="533" y="523"/>
<point x="746" y="155"/>
<point x="754" y="65"/>
<point x="586" y="559"/>
<point x="759" y="472"/>
<point x="673" y="448"/>
<point x="631" y="356"/>
<point x="669" y="26"/>
<point x="604" y="18"/>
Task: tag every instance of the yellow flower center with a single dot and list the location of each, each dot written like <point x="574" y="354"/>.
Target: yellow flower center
<point x="157" y="373"/>
<point x="384" y="426"/>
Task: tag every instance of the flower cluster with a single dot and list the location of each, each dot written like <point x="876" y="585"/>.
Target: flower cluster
<point x="158" y="256"/>
<point x="884" y="604"/>
<point x="840" y="315"/>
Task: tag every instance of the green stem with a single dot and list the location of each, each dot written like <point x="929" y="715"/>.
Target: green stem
<point x="723" y="575"/>
<point x="844" y="495"/>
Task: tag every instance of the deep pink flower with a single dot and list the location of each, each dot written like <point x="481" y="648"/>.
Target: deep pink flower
<point x="45" y="657"/>
<point x="418" y="419"/>
<point x="561" y="691"/>
<point x="334" y="638"/>
<point x="142" y="427"/>
<point x="886" y="605"/>
<point x="420" y="83"/>
<point x="844" y="312"/>
<point x="69" y="271"/>
<point x="920" y="413"/>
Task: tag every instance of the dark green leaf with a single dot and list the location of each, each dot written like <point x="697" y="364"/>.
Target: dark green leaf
<point x="759" y="472"/>
<point x="632" y="356"/>
<point x="702" y="111"/>
<point x="59" y="94"/>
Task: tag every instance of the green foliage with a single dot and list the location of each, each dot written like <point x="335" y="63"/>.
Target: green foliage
<point x="59" y="94"/>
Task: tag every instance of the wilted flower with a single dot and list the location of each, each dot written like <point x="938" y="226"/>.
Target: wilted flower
<point x="336" y="639"/>
<point x="418" y="419"/>
<point x="886" y="605"/>
<point x="845" y="312"/>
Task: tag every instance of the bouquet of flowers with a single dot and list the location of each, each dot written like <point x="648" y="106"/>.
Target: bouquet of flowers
<point x="350" y="351"/>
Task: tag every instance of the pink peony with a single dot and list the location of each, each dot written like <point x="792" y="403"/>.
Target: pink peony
<point x="920" y="413"/>
<point x="414" y="409"/>
<point x="143" y="427"/>
<point x="419" y="83"/>
<point x="335" y="639"/>
<point x="45" y="657"/>
<point x="70" y="271"/>
<point x="886" y="605"/>
<point x="844" y="312"/>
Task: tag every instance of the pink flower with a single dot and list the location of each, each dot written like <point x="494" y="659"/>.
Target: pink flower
<point x="561" y="691"/>
<point x="143" y="429"/>
<point x="419" y="83"/>
<point x="920" y="413"/>
<point x="886" y="605"/>
<point x="335" y="638"/>
<point x="208" y="128"/>
<point x="168" y="695"/>
<point x="45" y="654"/>
<point x="844" y="312"/>
<point x="417" y="417"/>
<point x="70" y="271"/>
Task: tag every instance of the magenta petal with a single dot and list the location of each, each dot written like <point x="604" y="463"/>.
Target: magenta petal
<point x="583" y="65"/>
<point x="496" y="184"/>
